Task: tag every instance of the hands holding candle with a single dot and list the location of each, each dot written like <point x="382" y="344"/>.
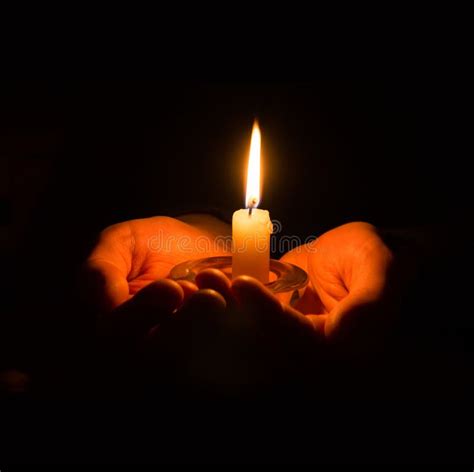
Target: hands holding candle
<point x="140" y="311"/>
<point x="215" y="323"/>
<point x="238" y="329"/>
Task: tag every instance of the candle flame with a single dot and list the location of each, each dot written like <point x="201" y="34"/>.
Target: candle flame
<point x="252" y="198"/>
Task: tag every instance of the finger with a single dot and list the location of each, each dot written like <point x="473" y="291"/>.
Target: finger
<point x="358" y="324"/>
<point x="295" y="315"/>
<point x="347" y="314"/>
<point x="106" y="269"/>
<point x="252" y="295"/>
<point x="204" y="305"/>
<point x="147" y="308"/>
<point x="311" y="326"/>
<point x="362" y="316"/>
<point x="277" y="317"/>
<point x="104" y="286"/>
<point x="188" y="288"/>
<point x="299" y="256"/>
<point x="216" y="280"/>
<point x="157" y="270"/>
<point x="199" y="315"/>
<point x="319" y="323"/>
<point x="192" y="345"/>
<point x="198" y="322"/>
<point x="310" y="302"/>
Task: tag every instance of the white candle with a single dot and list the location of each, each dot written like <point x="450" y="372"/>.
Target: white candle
<point x="251" y="228"/>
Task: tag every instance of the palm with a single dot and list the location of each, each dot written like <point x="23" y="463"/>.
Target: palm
<point x="349" y="269"/>
<point x="133" y="254"/>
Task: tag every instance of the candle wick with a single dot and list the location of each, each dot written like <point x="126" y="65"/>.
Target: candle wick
<point x="252" y="203"/>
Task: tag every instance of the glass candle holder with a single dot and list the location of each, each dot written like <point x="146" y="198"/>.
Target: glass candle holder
<point x="286" y="280"/>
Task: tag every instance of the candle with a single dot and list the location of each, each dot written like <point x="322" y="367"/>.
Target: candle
<point x="251" y="228"/>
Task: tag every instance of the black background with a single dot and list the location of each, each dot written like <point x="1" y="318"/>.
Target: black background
<point x="77" y="156"/>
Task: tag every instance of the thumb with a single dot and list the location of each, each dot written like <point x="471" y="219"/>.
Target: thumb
<point x="148" y="307"/>
<point x="359" y="322"/>
<point x="103" y="286"/>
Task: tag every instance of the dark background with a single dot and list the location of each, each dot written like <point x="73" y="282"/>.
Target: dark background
<point x="77" y="156"/>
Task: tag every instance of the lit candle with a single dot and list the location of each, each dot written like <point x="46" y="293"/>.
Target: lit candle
<point x="251" y="228"/>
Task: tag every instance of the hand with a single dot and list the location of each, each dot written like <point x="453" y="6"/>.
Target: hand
<point x="353" y="284"/>
<point x="133" y="254"/>
<point x="227" y="337"/>
<point x="234" y="335"/>
<point x="123" y="281"/>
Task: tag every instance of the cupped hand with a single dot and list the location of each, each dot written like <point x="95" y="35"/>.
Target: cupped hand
<point x="234" y="334"/>
<point x="226" y="336"/>
<point x="353" y="284"/>
<point x="133" y="254"/>
<point x="123" y="282"/>
<point x="217" y="328"/>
